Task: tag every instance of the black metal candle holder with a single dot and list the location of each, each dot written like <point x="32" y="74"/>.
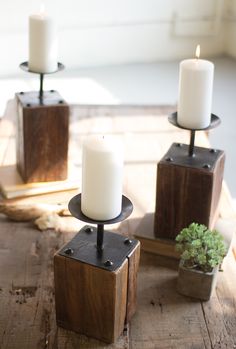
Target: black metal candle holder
<point x="94" y="245"/>
<point x="215" y="121"/>
<point x="25" y="66"/>
<point x="95" y="277"/>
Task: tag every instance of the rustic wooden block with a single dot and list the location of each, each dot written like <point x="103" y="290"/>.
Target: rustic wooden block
<point x="188" y="189"/>
<point x="91" y="299"/>
<point x="42" y="136"/>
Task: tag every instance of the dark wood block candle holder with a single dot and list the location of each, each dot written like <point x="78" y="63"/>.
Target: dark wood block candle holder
<point x="188" y="189"/>
<point x="189" y="181"/>
<point x="42" y="134"/>
<point x="96" y="277"/>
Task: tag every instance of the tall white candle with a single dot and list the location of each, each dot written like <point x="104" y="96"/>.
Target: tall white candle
<point x="195" y="92"/>
<point x="42" y="43"/>
<point x="102" y="173"/>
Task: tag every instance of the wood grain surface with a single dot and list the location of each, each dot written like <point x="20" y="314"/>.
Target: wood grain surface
<point x="164" y="319"/>
<point x="133" y="262"/>
<point x="186" y="194"/>
<point x="42" y="137"/>
<point x="90" y="300"/>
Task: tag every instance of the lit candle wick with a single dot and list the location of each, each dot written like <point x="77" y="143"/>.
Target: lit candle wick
<point x="197" y="54"/>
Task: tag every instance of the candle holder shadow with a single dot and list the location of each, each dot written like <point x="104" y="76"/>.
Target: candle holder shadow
<point x="104" y="289"/>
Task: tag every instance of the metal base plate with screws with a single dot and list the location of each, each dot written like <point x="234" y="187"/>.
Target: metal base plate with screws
<point x="31" y="99"/>
<point x="83" y="248"/>
<point x="203" y="158"/>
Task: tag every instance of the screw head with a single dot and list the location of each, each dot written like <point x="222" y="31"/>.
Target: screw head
<point x="108" y="263"/>
<point x="206" y="166"/>
<point x="68" y="251"/>
<point x="169" y="159"/>
<point x="52" y="91"/>
<point x="127" y="241"/>
<point x="88" y="230"/>
<point x="28" y="105"/>
<point x="179" y="145"/>
<point x="213" y="151"/>
<point x="61" y="101"/>
<point x="21" y="93"/>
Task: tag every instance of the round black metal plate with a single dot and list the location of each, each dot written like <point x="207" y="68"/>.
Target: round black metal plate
<point x="25" y="66"/>
<point x="215" y="121"/>
<point x="75" y="209"/>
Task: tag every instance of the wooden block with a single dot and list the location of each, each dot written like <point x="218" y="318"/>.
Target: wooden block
<point x="12" y="185"/>
<point x="187" y="190"/>
<point x="42" y="137"/>
<point x="148" y="241"/>
<point x="91" y="299"/>
<point x="133" y="259"/>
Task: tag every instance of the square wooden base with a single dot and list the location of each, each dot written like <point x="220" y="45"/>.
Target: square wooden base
<point x="91" y="298"/>
<point x="188" y="189"/>
<point x="42" y="136"/>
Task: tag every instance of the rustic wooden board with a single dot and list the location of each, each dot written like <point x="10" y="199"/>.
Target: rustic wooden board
<point x="164" y="319"/>
<point x="12" y="185"/>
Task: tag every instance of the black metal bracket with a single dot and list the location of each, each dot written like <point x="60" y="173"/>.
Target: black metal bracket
<point x="105" y="242"/>
<point x="204" y="158"/>
<point x="31" y="98"/>
<point x="25" y="66"/>
<point x="173" y="119"/>
<point x="83" y="248"/>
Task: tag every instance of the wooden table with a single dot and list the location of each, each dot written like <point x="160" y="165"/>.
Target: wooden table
<point x="164" y="319"/>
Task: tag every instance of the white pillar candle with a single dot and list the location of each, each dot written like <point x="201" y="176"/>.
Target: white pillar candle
<point x="102" y="174"/>
<point x="195" y="92"/>
<point x="42" y="43"/>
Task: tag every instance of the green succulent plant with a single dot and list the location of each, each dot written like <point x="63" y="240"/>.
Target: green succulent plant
<point x="200" y="247"/>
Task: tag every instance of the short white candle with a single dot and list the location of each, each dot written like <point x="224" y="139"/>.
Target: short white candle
<point x="195" y="92"/>
<point x="42" y="43"/>
<point x="102" y="174"/>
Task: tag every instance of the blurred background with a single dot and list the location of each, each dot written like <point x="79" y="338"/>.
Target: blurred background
<point x="128" y="52"/>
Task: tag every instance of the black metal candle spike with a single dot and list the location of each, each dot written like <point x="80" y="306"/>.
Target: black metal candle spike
<point x="41" y="86"/>
<point x="191" y="144"/>
<point x="25" y="66"/>
<point x="215" y="121"/>
<point x="75" y="210"/>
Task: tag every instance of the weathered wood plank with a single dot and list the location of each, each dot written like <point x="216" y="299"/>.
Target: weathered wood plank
<point x="164" y="319"/>
<point x="220" y="311"/>
<point x="27" y="317"/>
